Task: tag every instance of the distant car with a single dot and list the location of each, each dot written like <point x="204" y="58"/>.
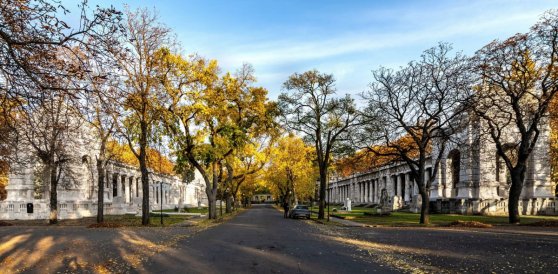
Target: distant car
<point x="299" y="211"/>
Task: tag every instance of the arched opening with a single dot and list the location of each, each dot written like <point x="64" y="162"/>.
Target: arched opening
<point x="453" y="165"/>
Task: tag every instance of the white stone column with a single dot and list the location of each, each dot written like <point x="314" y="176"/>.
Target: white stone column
<point x="133" y="189"/>
<point x="118" y="185"/>
<point x="123" y="187"/>
<point x="360" y="193"/>
<point x="128" y="189"/>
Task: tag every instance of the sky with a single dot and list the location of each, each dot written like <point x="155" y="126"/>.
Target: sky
<point x="348" y="39"/>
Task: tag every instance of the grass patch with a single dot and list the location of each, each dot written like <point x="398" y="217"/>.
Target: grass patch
<point x="154" y="220"/>
<point x="202" y="210"/>
<point x="412" y="219"/>
<point x="355" y="210"/>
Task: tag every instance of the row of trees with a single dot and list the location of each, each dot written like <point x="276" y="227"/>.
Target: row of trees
<point x="413" y="113"/>
<point x="123" y="77"/>
<point x="120" y="79"/>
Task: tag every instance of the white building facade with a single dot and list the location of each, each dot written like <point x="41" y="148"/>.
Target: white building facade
<point x="122" y="194"/>
<point x="78" y="185"/>
<point x="472" y="179"/>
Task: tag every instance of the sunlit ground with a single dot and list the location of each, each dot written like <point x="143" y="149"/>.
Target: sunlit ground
<point x="72" y="247"/>
<point x="445" y="250"/>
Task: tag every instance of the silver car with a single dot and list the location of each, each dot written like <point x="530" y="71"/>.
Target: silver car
<point x="299" y="211"/>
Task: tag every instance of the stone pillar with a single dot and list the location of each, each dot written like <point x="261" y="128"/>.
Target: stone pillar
<point x="123" y="187"/>
<point x="118" y="185"/>
<point x="157" y="193"/>
<point x="128" y="190"/>
<point x="133" y="189"/>
<point x="361" y="192"/>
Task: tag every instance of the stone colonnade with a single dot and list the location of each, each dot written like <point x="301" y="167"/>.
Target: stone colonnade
<point x="366" y="188"/>
<point x="123" y="186"/>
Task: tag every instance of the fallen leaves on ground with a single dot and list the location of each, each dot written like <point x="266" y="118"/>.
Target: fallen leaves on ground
<point x="2" y="223"/>
<point x="104" y="225"/>
<point x="545" y="223"/>
<point x="474" y="224"/>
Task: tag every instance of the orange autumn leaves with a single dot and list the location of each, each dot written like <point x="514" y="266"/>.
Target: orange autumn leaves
<point x="155" y="160"/>
<point x="4" y="168"/>
<point x="373" y="157"/>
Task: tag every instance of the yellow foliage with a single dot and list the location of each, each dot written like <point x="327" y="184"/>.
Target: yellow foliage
<point x="4" y="169"/>
<point x="291" y="169"/>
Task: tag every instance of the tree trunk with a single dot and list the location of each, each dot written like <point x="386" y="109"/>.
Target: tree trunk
<point x="144" y="174"/>
<point x="425" y="206"/>
<point x="322" y="200"/>
<point x="101" y="190"/>
<point x="212" y="204"/>
<point x="228" y="203"/>
<point x="517" y="177"/>
<point x="53" y="218"/>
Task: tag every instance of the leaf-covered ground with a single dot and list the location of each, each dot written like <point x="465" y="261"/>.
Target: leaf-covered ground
<point x="498" y="249"/>
<point x="72" y="247"/>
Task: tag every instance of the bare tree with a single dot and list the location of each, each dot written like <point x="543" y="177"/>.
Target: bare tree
<point x="51" y="133"/>
<point x="33" y="35"/>
<point x="518" y="80"/>
<point x="100" y="114"/>
<point x="412" y="113"/>
<point x="325" y="121"/>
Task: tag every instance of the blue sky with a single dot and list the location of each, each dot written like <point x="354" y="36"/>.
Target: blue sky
<point x="345" y="38"/>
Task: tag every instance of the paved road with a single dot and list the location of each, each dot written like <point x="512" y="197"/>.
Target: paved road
<point x="260" y="240"/>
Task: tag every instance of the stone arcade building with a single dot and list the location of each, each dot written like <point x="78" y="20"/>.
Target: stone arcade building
<point x="77" y="189"/>
<point x="471" y="180"/>
<point x="123" y="194"/>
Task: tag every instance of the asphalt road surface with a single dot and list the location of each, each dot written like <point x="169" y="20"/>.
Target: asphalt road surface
<point x="260" y="240"/>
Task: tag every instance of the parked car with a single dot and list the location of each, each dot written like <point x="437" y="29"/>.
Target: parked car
<point x="299" y="211"/>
